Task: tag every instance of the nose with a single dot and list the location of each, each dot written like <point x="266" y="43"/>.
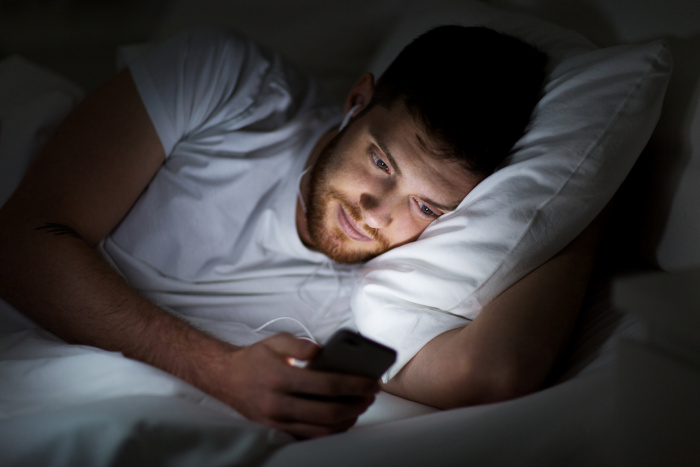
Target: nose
<point x="377" y="210"/>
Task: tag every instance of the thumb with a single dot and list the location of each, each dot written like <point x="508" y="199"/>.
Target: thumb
<point x="290" y="346"/>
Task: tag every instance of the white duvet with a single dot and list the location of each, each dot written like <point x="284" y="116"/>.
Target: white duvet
<point x="71" y="405"/>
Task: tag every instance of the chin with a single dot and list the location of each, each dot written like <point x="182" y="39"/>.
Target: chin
<point x="340" y="249"/>
<point x="327" y="235"/>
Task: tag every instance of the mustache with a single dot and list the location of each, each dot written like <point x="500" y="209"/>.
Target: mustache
<point x="356" y="213"/>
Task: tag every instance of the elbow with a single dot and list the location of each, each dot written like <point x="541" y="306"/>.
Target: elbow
<point x="488" y="381"/>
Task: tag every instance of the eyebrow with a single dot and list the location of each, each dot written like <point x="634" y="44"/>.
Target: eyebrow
<point x="396" y="167"/>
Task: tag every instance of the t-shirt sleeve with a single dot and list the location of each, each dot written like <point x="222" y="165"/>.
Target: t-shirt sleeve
<point x="191" y="82"/>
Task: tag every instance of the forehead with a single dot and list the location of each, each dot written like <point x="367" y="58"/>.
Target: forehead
<point x="413" y="153"/>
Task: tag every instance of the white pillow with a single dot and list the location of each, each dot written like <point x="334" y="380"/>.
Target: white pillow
<point x="599" y="109"/>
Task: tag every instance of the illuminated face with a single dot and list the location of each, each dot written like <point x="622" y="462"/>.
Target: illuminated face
<point x="376" y="186"/>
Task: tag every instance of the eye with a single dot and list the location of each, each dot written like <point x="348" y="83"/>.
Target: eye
<point x="426" y="211"/>
<point x="379" y="162"/>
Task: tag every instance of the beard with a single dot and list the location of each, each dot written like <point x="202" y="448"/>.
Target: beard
<point x="326" y="236"/>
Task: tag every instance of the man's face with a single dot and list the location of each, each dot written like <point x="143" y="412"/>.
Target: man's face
<point x="376" y="185"/>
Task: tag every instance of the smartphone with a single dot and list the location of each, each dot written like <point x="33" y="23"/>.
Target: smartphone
<point x="351" y="353"/>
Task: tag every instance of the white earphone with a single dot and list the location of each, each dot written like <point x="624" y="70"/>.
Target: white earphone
<point x="348" y="116"/>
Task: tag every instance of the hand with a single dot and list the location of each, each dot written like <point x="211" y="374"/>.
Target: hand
<point x="259" y="382"/>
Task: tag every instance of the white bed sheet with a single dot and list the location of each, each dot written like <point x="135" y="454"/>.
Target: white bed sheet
<point x="133" y="431"/>
<point x="77" y="405"/>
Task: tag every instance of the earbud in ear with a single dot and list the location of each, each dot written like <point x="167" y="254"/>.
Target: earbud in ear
<point x="348" y="116"/>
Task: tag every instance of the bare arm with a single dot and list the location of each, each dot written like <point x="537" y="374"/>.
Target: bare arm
<point x="84" y="182"/>
<point x="511" y="347"/>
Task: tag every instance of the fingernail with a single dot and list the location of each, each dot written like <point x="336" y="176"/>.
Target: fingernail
<point x="296" y="362"/>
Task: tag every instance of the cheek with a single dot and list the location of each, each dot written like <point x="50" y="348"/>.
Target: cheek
<point x="405" y="228"/>
<point x="355" y="176"/>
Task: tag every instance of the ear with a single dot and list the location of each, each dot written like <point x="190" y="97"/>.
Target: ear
<point x="361" y="93"/>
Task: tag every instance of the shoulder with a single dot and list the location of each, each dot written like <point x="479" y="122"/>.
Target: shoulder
<point x="196" y="48"/>
<point x="206" y="80"/>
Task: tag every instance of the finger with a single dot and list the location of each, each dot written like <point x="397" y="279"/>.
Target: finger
<point x="329" y="385"/>
<point x="274" y="407"/>
<point x="297" y="351"/>
<point x="290" y="346"/>
<point x="330" y="414"/>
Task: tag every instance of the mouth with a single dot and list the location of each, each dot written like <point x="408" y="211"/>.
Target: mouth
<point x="350" y="227"/>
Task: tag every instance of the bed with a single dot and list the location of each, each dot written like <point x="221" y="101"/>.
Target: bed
<point x="627" y="393"/>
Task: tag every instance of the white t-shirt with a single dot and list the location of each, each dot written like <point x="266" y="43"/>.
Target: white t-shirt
<point x="213" y="238"/>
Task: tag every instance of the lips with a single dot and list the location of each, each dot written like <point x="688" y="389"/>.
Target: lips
<point x="350" y="227"/>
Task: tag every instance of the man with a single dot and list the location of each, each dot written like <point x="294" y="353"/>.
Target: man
<point x="182" y="173"/>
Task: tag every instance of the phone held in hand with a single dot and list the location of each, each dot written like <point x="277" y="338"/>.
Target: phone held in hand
<point x="351" y="353"/>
